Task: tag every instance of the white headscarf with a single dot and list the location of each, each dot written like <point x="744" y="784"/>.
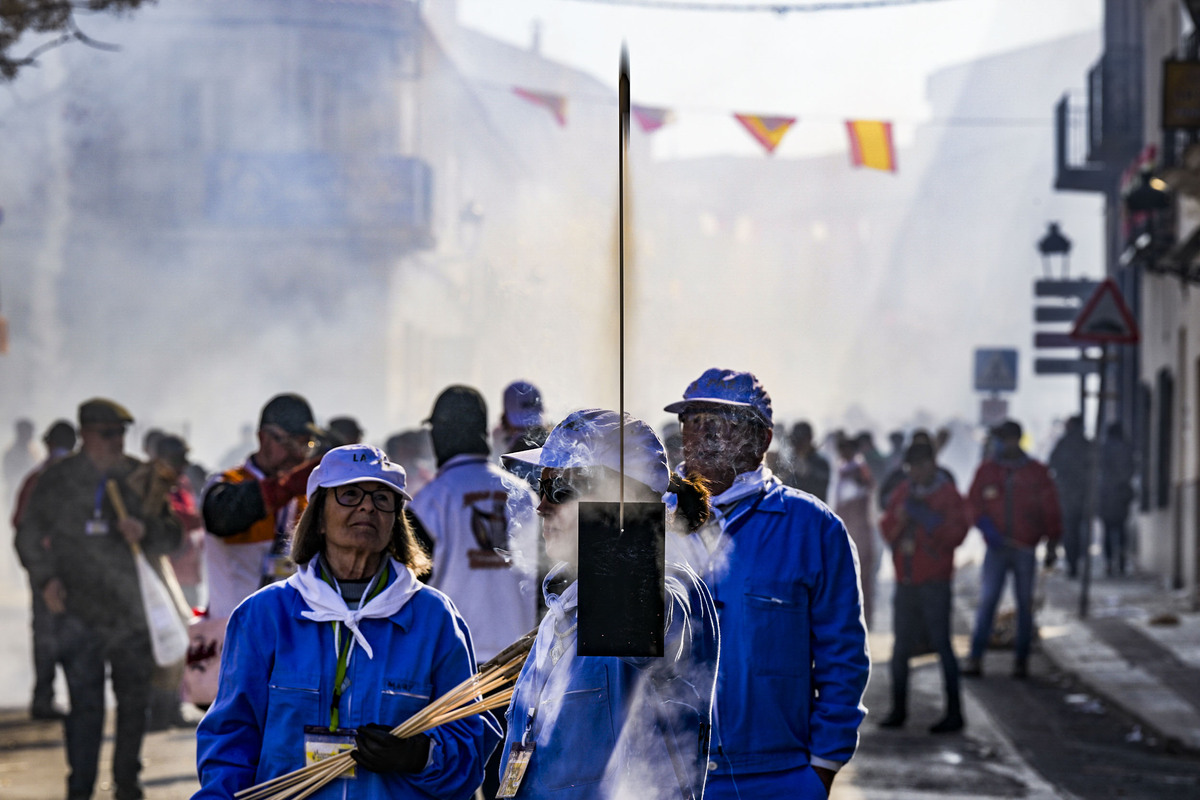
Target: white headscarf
<point x="327" y="605"/>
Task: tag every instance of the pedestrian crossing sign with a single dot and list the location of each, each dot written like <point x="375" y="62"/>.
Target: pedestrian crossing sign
<point x="995" y="369"/>
<point x="1106" y="318"/>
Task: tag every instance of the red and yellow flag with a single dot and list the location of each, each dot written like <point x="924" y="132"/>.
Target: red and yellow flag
<point x="871" y="144"/>
<point x="768" y="131"/>
<point x="556" y="104"/>
<point x="650" y="119"/>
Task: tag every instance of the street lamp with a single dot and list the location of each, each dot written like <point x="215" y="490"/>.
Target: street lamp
<point x="1054" y="244"/>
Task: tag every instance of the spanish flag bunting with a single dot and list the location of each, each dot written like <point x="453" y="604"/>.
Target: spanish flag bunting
<point x="871" y="144"/>
<point x="769" y="131"/>
<point x="651" y="119"/>
<point x="556" y="104"/>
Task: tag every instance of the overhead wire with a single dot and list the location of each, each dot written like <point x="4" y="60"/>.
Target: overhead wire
<point x="774" y="8"/>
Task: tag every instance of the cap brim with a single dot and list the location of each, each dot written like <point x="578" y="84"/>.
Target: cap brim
<point x="367" y="479"/>
<point x="526" y="456"/>
<point x="681" y="406"/>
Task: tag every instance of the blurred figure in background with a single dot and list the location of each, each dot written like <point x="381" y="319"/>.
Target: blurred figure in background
<point x="20" y="457"/>
<point x="1117" y="467"/>
<point x="60" y="442"/>
<point x="1014" y="505"/>
<point x="852" y="491"/>
<point x="249" y="511"/>
<point x="164" y="477"/>
<point x="522" y="427"/>
<point x="1071" y="466"/>
<point x="150" y="440"/>
<point x="925" y="521"/>
<point x="413" y="450"/>
<point x="876" y="461"/>
<point x="188" y="560"/>
<point x="805" y="469"/>
<point x="344" y="430"/>
<point x="88" y="578"/>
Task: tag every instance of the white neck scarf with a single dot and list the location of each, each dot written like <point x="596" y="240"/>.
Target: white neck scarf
<point x="744" y="485"/>
<point x="328" y="606"/>
<point x="559" y="622"/>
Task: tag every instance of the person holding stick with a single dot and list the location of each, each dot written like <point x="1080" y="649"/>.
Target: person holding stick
<point x="348" y="648"/>
<point x="79" y="553"/>
<point x="600" y="727"/>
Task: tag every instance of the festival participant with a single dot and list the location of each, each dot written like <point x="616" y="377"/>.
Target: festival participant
<point x="606" y="727"/>
<point x="346" y="649"/>
<point x="784" y="572"/>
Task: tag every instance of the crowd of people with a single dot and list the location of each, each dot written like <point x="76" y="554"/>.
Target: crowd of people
<point x="334" y="588"/>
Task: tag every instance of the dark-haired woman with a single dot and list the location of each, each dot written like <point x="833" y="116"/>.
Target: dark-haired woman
<point x="346" y="649"/>
<point x="604" y="727"/>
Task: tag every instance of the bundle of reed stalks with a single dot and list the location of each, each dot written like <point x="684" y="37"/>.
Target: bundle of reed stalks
<point x="489" y="688"/>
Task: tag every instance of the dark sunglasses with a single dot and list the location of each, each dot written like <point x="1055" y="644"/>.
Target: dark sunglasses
<point x="110" y="433"/>
<point x="351" y="496"/>
<point x="563" y="488"/>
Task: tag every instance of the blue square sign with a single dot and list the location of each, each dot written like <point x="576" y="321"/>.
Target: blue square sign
<point x="995" y="369"/>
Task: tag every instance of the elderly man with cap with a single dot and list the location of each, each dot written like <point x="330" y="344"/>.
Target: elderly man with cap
<point x="480" y="523"/>
<point x="249" y="511"/>
<point x="785" y="578"/>
<point x="1014" y="504"/>
<point x="88" y="578"/>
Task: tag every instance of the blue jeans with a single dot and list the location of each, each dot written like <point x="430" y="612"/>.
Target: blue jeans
<point x="998" y="562"/>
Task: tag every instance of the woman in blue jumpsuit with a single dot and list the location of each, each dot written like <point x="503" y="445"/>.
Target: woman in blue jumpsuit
<point x="346" y="649"/>
<point x="604" y="727"/>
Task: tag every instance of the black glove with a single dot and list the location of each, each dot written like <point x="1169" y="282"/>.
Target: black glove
<point x="1051" y="556"/>
<point x="375" y="749"/>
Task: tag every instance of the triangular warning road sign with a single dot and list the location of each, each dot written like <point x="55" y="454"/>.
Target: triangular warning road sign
<point x="1105" y="318"/>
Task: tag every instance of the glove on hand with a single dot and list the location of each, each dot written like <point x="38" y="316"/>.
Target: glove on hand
<point x="375" y="749"/>
<point x="1051" y="556"/>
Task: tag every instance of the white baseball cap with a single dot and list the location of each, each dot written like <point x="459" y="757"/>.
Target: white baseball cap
<point x="592" y="437"/>
<point x="357" y="463"/>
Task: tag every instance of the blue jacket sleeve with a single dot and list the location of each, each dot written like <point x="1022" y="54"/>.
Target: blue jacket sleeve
<point x="457" y="752"/>
<point x="229" y="738"/>
<point x="991" y="534"/>
<point x="841" y="661"/>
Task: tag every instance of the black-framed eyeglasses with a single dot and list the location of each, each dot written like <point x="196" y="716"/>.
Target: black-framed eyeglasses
<point x="351" y="495"/>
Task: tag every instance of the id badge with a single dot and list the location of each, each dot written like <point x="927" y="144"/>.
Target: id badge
<point x="96" y="527"/>
<point x="514" y="773"/>
<point x="320" y="743"/>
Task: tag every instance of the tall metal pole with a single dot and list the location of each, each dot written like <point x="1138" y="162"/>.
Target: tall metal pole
<point x="1085" y="581"/>
<point x="623" y="122"/>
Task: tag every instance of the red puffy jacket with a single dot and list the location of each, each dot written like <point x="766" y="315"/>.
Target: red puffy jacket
<point x="1014" y="502"/>
<point x="923" y="525"/>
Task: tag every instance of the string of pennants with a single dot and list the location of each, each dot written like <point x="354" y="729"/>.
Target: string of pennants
<point x="871" y="144"/>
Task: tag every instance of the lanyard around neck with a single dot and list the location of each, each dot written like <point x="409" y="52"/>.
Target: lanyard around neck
<point x="340" y="683"/>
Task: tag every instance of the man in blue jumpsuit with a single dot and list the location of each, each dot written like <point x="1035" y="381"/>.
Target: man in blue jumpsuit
<point x="785" y="579"/>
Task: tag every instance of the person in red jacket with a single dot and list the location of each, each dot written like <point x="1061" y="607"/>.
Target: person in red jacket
<point x="925" y="520"/>
<point x="1014" y="504"/>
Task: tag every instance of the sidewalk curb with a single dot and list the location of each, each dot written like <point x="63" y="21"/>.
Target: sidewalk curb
<point x="1098" y="666"/>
